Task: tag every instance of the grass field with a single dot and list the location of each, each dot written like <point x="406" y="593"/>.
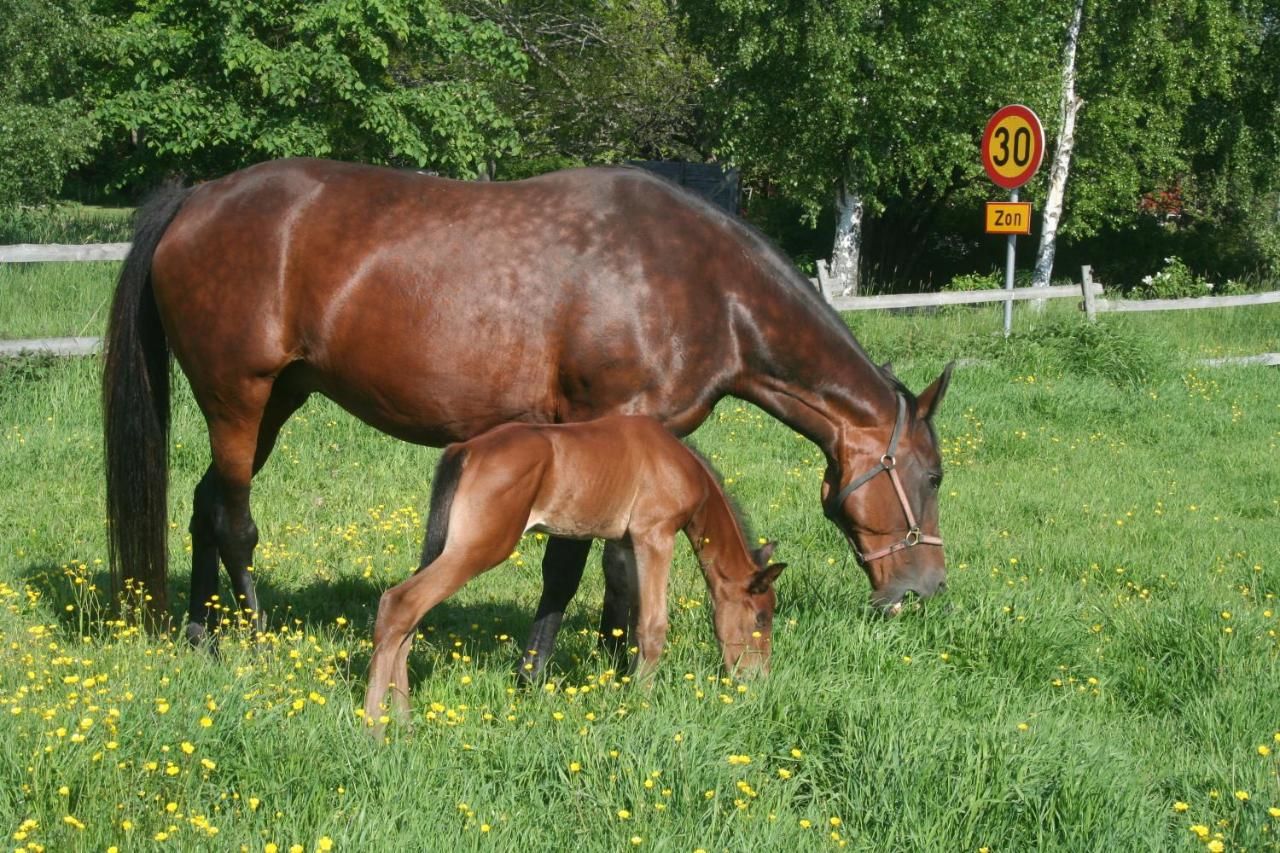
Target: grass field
<point x="1103" y="672"/>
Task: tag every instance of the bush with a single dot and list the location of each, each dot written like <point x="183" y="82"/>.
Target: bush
<point x="1175" y="281"/>
<point x="993" y="280"/>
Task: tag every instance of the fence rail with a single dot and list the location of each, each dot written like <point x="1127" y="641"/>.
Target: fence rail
<point x="29" y="253"/>
<point x="1090" y="290"/>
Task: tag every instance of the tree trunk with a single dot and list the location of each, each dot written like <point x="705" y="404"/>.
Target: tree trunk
<point x="846" y="254"/>
<point x="1071" y="104"/>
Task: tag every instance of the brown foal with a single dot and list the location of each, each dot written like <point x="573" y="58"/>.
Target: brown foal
<point x="621" y="478"/>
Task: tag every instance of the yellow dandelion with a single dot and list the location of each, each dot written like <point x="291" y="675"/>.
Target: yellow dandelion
<point x="1199" y="830"/>
<point x="1264" y="750"/>
<point x="324" y="844"/>
<point x="1180" y="807"/>
<point x="1215" y="846"/>
<point x="623" y="814"/>
<point x="575" y="767"/>
<point x="188" y="747"/>
<point x="1242" y="796"/>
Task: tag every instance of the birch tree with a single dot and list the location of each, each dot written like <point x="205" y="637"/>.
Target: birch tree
<point x="1061" y="165"/>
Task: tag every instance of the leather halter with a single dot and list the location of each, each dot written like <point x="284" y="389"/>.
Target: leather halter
<point x="888" y="463"/>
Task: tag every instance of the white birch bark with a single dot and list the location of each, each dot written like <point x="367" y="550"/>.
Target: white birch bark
<point x="846" y="254"/>
<point x="1071" y="104"/>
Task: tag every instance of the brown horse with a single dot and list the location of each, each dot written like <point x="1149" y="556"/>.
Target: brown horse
<point x="436" y="309"/>
<point x="624" y="479"/>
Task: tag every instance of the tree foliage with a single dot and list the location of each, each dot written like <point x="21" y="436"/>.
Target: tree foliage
<point x="607" y="81"/>
<point x="205" y="87"/>
<point x="885" y="97"/>
<point x="45" y="125"/>
<point x="1180" y="134"/>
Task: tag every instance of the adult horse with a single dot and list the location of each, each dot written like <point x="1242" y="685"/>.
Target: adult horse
<point x="435" y="309"/>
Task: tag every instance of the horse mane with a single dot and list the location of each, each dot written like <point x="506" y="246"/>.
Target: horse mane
<point x="739" y="515"/>
<point x="443" y="487"/>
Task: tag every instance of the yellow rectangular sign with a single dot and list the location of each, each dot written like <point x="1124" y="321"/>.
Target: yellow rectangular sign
<point x="1008" y="217"/>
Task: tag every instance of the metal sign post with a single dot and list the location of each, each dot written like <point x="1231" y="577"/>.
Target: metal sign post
<point x="1009" y="256"/>
<point x="1012" y="149"/>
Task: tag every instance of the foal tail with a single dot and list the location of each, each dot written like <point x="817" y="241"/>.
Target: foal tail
<point x="443" y="488"/>
<point x="135" y="407"/>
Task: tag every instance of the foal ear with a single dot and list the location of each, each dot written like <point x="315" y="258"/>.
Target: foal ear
<point x="929" y="399"/>
<point x="762" y="554"/>
<point x="765" y="578"/>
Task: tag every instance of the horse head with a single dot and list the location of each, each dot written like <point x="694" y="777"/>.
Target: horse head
<point x="882" y="492"/>
<point x="744" y="617"/>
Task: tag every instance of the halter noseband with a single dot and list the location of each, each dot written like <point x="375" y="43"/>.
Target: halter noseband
<point x="888" y="463"/>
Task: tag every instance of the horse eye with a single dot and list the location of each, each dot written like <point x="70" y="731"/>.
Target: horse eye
<point x="935" y="481"/>
<point x="762" y="619"/>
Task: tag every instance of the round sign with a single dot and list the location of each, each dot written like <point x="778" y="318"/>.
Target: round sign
<point x="1012" y="146"/>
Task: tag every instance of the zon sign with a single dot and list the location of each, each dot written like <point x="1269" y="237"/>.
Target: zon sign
<point x="1012" y="146"/>
<point x="1008" y="217"/>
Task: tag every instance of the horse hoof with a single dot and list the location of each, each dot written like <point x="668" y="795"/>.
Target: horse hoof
<point x="199" y="637"/>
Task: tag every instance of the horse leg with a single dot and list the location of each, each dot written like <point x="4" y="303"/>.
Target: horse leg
<point x="280" y="405"/>
<point x="617" y="615"/>
<point x="562" y="567"/>
<point x="201" y="618"/>
<point x="221" y="524"/>
<point x="653" y="565"/>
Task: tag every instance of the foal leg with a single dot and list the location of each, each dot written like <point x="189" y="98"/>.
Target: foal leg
<point x="402" y="607"/>
<point x="562" y="567"/>
<point x="617" y="616"/>
<point x="653" y="565"/>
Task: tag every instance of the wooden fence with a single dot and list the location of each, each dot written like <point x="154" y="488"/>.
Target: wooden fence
<point x="1090" y="290"/>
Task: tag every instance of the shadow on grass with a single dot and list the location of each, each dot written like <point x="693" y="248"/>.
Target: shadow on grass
<point x="493" y="632"/>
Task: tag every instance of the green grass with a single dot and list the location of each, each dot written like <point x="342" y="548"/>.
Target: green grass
<point x="1107" y="646"/>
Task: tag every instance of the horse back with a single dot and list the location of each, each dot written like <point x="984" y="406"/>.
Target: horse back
<point x="437" y="309"/>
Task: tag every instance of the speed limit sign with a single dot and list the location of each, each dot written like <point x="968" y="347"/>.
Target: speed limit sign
<point x="1012" y="146"/>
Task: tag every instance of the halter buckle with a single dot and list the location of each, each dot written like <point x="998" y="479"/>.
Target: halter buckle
<point x="912" y="537"/>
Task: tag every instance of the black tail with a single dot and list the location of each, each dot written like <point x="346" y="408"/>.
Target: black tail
<point x="135" y="413"/>
<point x="443" y="488"/>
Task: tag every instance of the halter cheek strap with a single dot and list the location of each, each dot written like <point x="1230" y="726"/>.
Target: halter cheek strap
<point x="888" y="463"/>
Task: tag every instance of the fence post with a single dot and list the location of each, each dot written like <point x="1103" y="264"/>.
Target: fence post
<point x="1086" y="284"/>
<point x="824" y="282"/>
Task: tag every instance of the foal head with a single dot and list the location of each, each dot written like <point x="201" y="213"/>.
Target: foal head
<point x="744" y="614"/>
<point x="883" y="495"/>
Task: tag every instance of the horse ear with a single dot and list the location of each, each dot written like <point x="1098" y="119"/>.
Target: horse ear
<point x="931" y="397"/>
<point x="762" y="554"/>
<point x="765" y="578"/>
